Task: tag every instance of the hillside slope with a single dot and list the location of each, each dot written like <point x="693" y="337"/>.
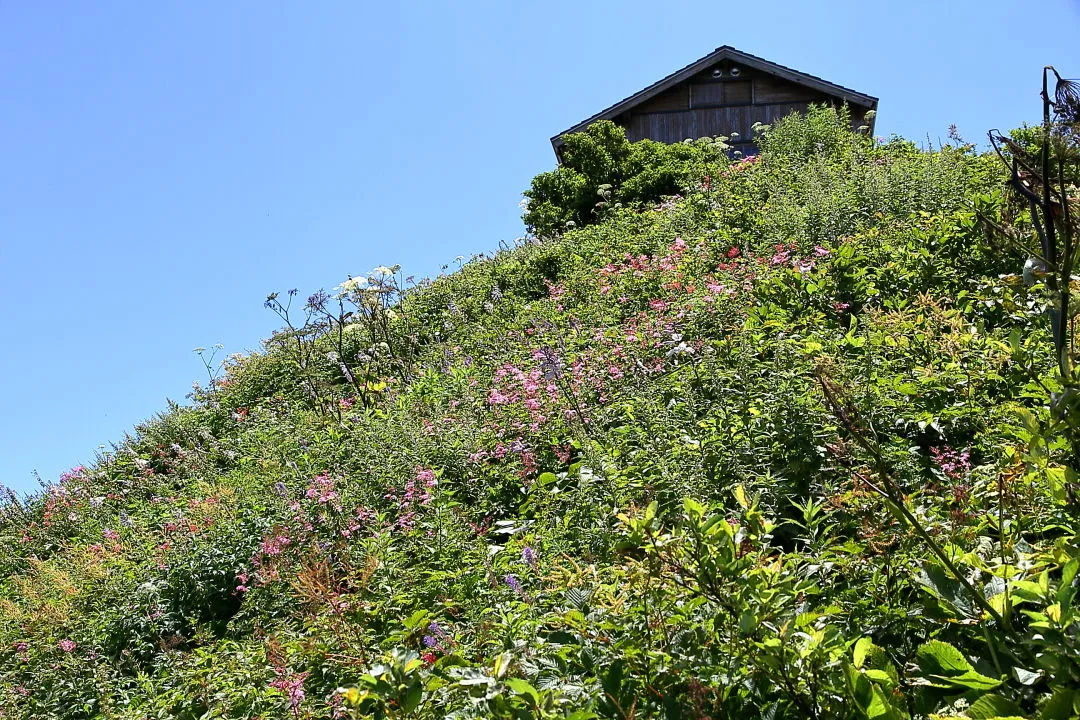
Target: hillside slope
<point x="633" y="470"/>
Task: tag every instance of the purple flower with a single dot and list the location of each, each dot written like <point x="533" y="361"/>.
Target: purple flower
<point x="437" y="639"/>
<point x="514" y="584"/>
<point x="529" y="556"/>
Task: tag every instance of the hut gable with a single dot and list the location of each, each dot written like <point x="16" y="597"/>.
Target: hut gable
<point x="725" y="92"/>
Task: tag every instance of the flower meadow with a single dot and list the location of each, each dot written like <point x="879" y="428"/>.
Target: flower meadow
<point x="775" y="437"/>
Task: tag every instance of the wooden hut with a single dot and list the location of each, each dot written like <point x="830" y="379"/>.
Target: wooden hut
<point x="725" y="92"/>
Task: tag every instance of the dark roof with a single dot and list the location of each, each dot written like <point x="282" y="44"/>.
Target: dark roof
<point x="725" y="52"/>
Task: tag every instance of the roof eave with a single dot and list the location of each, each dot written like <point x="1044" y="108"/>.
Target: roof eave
<point x="724" y="52"/>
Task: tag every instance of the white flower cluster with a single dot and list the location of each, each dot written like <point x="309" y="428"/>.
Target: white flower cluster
<point x="378" y="277"/>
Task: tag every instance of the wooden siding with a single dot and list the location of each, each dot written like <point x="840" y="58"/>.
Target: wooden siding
<point x="673" y="127"/>
<point x="777" y="90"/>
<point x="674" y="99"/>
<point x="724" y="93"/>
<point x="708" y="105"/>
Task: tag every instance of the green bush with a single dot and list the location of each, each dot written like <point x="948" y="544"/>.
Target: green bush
<point x="600" y="169"/>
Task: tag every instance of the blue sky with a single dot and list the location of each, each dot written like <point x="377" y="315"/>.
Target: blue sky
<point x="163" y="166"/>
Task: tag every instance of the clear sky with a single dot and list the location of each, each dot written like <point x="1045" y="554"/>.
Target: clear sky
<point x="165" y="165"/>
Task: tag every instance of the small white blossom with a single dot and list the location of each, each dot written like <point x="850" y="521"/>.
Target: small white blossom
<point x="382" y="272"/>
<point x="352" y="284"/>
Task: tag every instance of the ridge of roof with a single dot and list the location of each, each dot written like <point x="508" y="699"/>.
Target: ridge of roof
<point x="722" y="53"/>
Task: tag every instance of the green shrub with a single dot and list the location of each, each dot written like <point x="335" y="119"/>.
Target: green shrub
<point x="600" y="169"/>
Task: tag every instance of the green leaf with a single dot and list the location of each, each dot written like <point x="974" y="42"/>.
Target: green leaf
<point x="994" y="706"/>
<point x="862" y="648"/>
<point x="1059" y="706"/>
<point x="747" y="622"/>
<point x="941" y="658"/>
<point x="693" y="509"/>
<point x="413" y="695"/>
<point x="502" y="664"/>
<point x="968" y="681"/>
<point x="953" y="596"/>
<point x="1027" y="419"/>
<point x="1068" y="574"/>
<point x="522" y="687"/>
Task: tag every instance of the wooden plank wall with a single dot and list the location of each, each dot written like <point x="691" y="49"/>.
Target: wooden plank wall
<point x="706" y="106"/>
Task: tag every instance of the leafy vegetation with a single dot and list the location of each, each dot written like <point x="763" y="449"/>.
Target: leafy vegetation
<point x="793" y="442"/>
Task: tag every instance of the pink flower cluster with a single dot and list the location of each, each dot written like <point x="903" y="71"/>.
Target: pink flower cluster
<point x="514" y="385"/>
<point x="292" y="684"/>
<point x="275" y="544"/>
<point x="323" y="490"/>
<point x="954" y="464"/>
<point x="417" y="494"/>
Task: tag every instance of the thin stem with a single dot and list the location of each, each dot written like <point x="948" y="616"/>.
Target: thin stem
<point x="848" y="417"/>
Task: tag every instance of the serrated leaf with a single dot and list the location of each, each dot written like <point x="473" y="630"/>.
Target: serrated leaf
<point x="993" y="706"/>
<point x="576" y="598"/>
<point x="949" y="591"/>
<point x="1059" y="706"/>
<point x="693" y="509"/>
<point x="1027" y="419"/>
<point x="941" y="658"/>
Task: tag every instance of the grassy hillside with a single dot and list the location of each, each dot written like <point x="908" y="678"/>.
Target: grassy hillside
<point x="780" y="446"/>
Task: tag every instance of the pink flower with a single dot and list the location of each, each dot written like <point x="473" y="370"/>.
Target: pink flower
<point x="425" y="476"/>
<point x="67" y="645"/>
<point x="497" y="398"/>
<point x="820" y="251"/>
<point x="292" y="686"/>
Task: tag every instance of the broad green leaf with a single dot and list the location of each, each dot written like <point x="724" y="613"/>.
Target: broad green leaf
<point x="412" y="697"/>
<point x="941" y="658"/>
<point x="946" y="667"/>
<point x="522" y="687"/>
<point x="953" y="596"/>
<point x="693" y="509"/>
<point x="992" y="706"/>
<point x="1027" y="419"/>
<point x="969" y="681"/>
<point x="1060" y="705"/>
<point x="862" y="647"/>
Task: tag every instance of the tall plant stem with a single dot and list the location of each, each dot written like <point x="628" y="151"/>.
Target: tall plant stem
<point x="890" y="492"/>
